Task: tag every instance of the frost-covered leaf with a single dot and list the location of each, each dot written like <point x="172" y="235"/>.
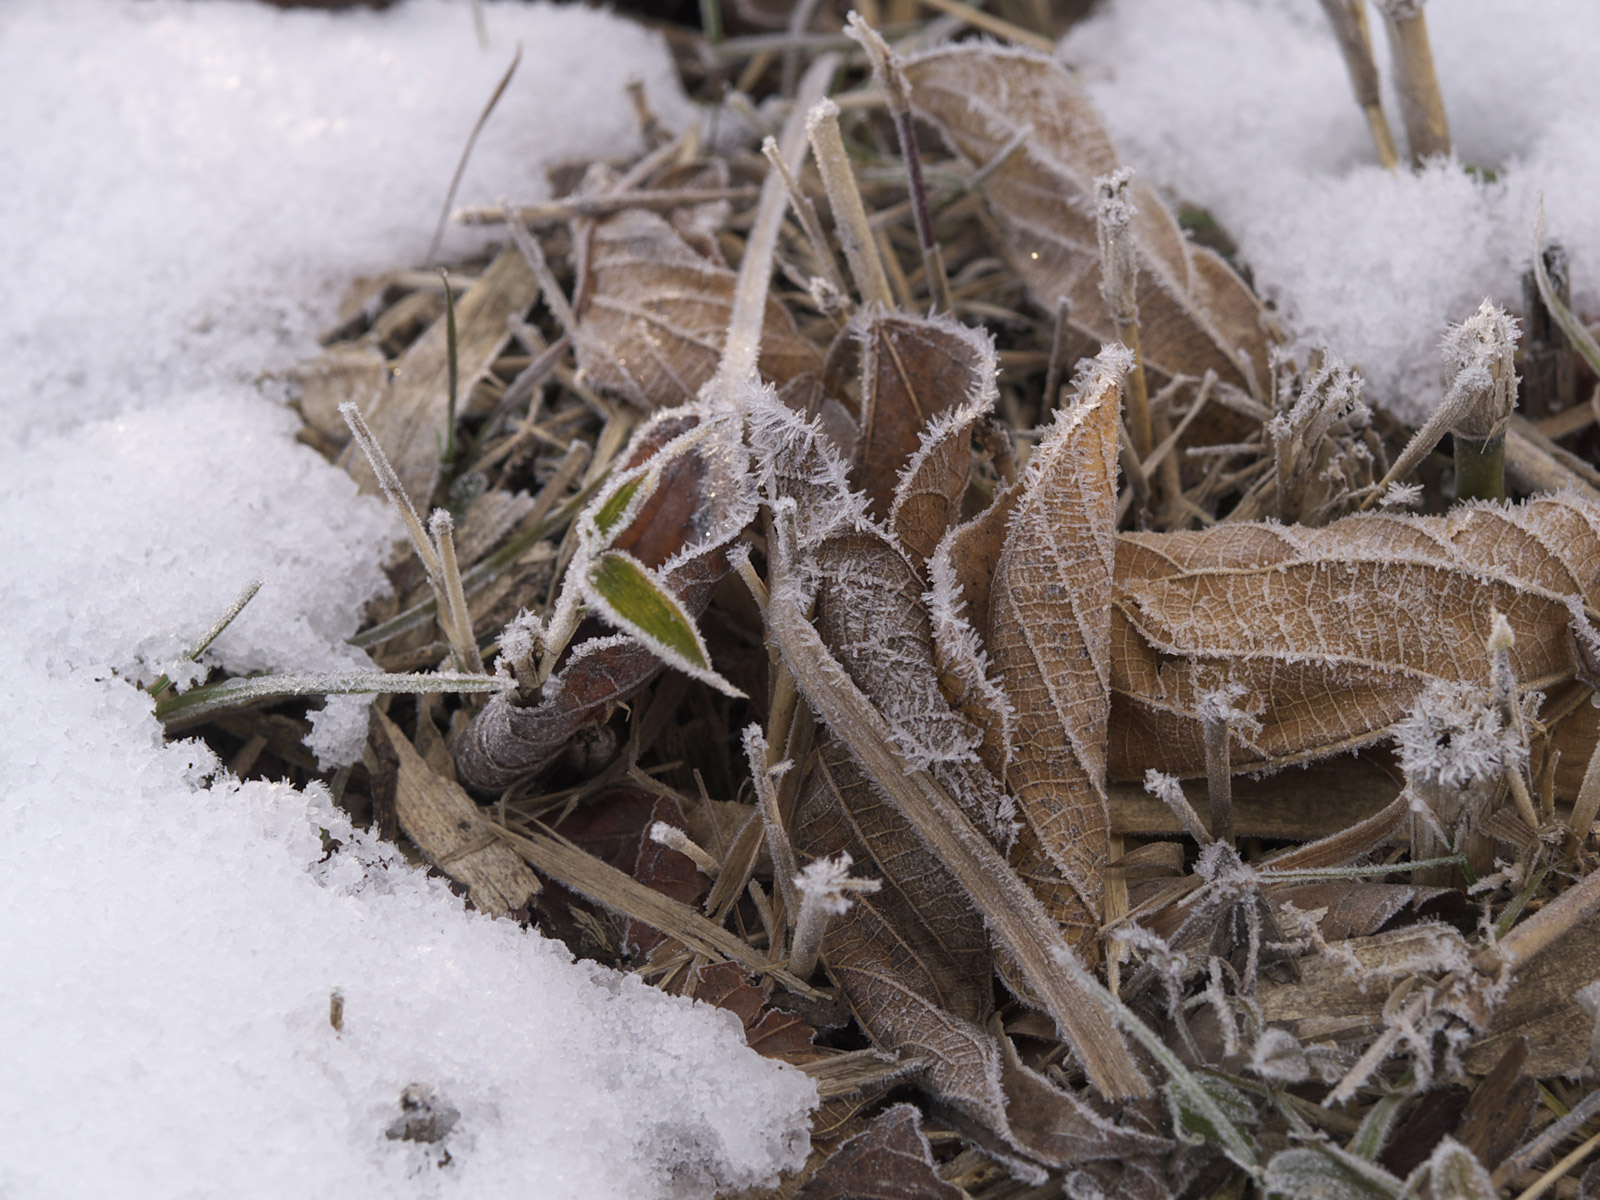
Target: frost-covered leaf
<point x="657" y="311"/>
<point x="1322" y="1174"/>
<point x="1454" y="1173"/>
<point x="891" y="1160"/>
<point x="634" y="598"/>
<point x="1352" y="907"/>
<point x="1049" y="633"/>
<point x="871" y="615"/>
<point x="1278" y="1056"/>
<point x="960" y="572"/>
<point x="1193" y="1123"/>
<point x="1334" y="633"/>
<point x="617" y="503"/>
<point x="769" y="1031"/>
<point x="913" y="959"/>
<point x="1194" y="312"/>
<point x="680" y="530"/>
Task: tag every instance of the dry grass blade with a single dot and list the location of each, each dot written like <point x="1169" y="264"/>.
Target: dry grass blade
<point x="408" y="419"/>
<point x="447" y="827"/>
<point x="1195" y="314"/>
<point x="622" y="893"/>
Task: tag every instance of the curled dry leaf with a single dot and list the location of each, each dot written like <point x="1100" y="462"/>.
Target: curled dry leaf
<point x="681" y="530"/>
<point x="651" y="328"/>
<point x="987" y="102"/>
<point x="1334" y="633"/>
<point x="1050" y="635"/>
<point x="913" y="369"/>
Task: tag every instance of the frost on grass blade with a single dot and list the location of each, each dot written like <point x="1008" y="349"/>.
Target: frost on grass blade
<point x="633" y="597"/>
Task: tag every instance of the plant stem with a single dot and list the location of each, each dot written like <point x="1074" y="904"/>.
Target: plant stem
<point x="447" y="455"/>
<point x="235" y="693"/>
<point x="806" y="213"/>
<point x="1421" y="105"/>
<point x="844" y="198"/>
<point x="896" y="91"/>
<point x="194" y="652"/>
<point x="1349" y="21"/>
<point x="1480" y="467"/>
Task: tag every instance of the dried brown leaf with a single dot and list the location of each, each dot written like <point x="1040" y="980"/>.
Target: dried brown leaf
<point x="960" y="571"/>
<point x="1540" y="1006"/>
<point x="889" y="1160"/>
<point x="1352" y="907"/>
<point x="913" y="959"/>
<point x="657" y="309"/>
<point x="1333" y="633"/>
<point x="871" y="616"/>
<point x="1195" y="314"/>
<point x="1340" y="996"/>
<point x="665" y="870"/>
<point x="1496" y="1117"/>
<point x="1049" y="633"/>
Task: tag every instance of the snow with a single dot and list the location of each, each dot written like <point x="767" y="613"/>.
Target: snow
<point x="1243" y="107"/>
<point x="191" y="188"/>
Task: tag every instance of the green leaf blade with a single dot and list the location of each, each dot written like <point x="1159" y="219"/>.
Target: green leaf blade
<point x="632" y="592"/>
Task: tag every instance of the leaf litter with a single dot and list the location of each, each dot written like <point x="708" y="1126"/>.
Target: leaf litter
<point x="996" y="656"/>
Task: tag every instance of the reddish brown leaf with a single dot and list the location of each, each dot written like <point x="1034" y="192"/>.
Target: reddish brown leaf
<point x="912" y="370"/>
<point x="770" y="1032"/>
<point x="890" y="1160"/>
<point x="665" y="870"/>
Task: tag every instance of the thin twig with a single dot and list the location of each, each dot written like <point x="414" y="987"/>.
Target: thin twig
<point x="558" y="212"/>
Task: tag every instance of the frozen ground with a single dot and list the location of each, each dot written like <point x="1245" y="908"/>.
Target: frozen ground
<point x="1244" y="107"/>
<point x="188" y="187"/>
